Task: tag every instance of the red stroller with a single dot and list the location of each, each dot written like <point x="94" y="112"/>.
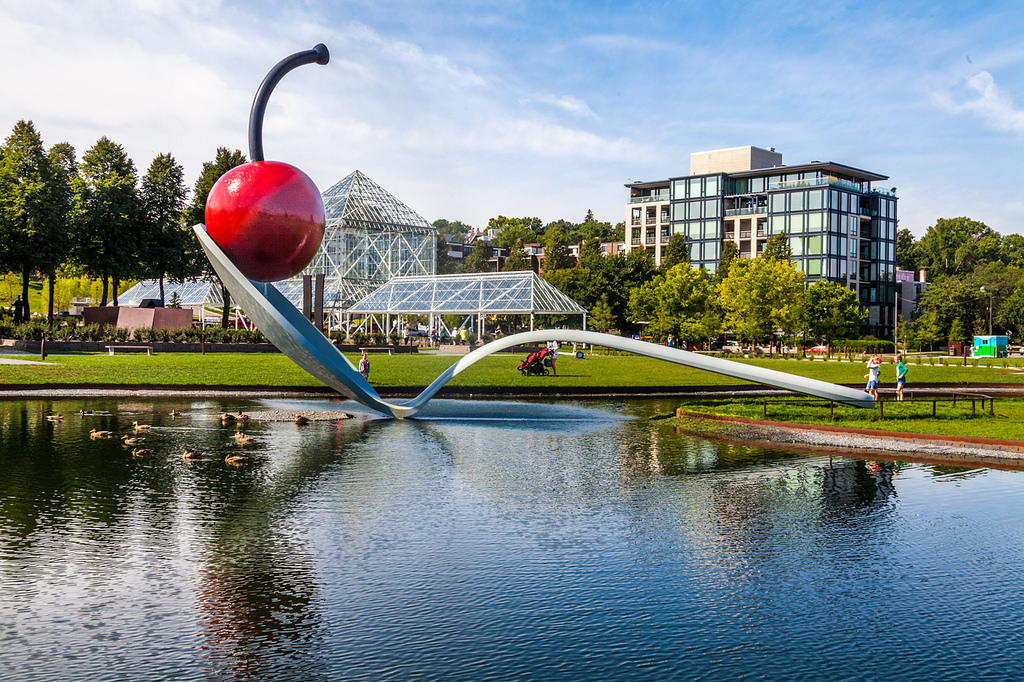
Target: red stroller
<point x="536" y="363"/>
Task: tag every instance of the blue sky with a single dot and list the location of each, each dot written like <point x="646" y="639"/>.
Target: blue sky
<point x="468" y="110"/>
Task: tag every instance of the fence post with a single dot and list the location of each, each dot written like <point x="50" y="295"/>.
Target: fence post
<point x="881" y="409"/>
<point x="831" y="410"/>
<point x="972" y="407"/>
<point x="765" y="406"/>
<point x="933" y="407"/>
<point x="991" y="406"/>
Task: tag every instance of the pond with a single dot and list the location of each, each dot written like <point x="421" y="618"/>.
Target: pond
<point x="580" y="540"/>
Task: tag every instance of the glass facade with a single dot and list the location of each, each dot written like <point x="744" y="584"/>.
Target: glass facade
<point x="839" y="227"/>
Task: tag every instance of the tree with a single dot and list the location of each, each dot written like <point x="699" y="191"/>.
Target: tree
<point x="35" y="201"/>
<point x="63" y="180"/>
<point x="677" y="251"/>
<point x="1011" y="250"/>
<point x="477" y="260"/>
<point x="831" y="312"/>
<point x="777" y="248"/>
<point x="601" y="317"/>
<point x="556" y="251"/>
<point x="223" y="161"/>
<point x="455" y="228"/>
<point x="167" y="238"/>
<point x="112" y="218"/>
<point x="953" y="298"/>
<point x="446" y="265"/>
<point x="908" y="251"/>
<point x="761" y="295"/>
<point x="730" y="252"/>
<point x="511" y="229"/>
<point x="953" y="246"/>
<point x="517" y="259"/>
<point x="674" y="303"/>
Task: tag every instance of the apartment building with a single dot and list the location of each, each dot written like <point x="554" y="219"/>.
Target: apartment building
<point x="841" y="227"/>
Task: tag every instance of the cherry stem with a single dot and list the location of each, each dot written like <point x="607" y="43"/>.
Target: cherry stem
<point x="318" y="54"/>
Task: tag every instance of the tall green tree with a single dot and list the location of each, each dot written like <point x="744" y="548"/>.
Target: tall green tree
<point x="832" y="312"/>
<point x="63" y="218"/>
<point x="517" y="259"/>
<point x="777" y="248"/>
<point x="954" y="246"/>
<point x="169" y="243"/>
<point x="108" y="245"/>
<point x="730" y="252"/>
<point x="26" y="213"/>
<point x="953" y="298"/>
<point x="556" y="248"/>
<point x="456" y="228"/>
<point x="223" y="161"/>
<point x="446" y="265"/>
<point x="761" y="295"/>
<point x="511" y="229"/>
<point x="908" y="251"/>
<point x="1011" y="250"/>
<point x="477" y="260"/>
<point x="677" y="251"/>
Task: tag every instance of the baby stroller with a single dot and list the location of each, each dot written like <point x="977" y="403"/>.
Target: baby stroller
<point x="536" y="363"/>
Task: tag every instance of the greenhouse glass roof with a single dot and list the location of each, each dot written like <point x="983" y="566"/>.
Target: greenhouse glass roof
<point x="190" y="293"/>
<point x="521" y="292"/>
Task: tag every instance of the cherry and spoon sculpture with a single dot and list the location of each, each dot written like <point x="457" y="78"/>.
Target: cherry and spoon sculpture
<point x="268" y="216"/>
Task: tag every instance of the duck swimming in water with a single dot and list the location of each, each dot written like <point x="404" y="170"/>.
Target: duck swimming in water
<point x="236" y="460"/>
<point x="94" y="434"/>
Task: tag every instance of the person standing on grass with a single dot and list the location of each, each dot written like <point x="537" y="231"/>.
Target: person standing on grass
<point x="901" y="376"/>
<point x="553" y="355"/>
<point x="872" y="376"/>
<point x="364" y="366"/>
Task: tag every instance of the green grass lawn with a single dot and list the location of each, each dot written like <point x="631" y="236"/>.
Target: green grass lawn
<point x="906" y="417"/>
<point x="274" y="369"/>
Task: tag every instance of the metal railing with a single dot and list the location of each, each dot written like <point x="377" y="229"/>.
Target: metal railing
<point x="935" y="399"/>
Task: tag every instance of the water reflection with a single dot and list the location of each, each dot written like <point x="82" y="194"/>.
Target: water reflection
<point x="580" y="539"/>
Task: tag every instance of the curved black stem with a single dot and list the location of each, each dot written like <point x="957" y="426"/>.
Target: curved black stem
<point x="318" y="54"/>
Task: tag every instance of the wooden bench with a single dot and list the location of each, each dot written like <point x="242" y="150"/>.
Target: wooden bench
<point x="148" y="349"/>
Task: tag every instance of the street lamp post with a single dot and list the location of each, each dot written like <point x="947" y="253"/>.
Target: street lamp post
<point x="991" y="292"/>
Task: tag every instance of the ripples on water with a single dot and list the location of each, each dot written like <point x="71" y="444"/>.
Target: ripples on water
<point x="573" y="541"/>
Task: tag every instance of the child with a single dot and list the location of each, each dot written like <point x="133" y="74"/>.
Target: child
<point x="872" y="377"/>
<point x="901" y="376"/>
<point x="364" y="366"/>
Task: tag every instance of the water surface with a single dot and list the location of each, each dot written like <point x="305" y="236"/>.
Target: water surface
<point x="574" y="541"/>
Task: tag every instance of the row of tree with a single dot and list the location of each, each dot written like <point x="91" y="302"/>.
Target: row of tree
<point x="976" y="281"/>
<point x="97" y="217"/>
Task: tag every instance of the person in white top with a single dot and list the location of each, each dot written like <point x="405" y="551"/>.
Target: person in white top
<point x="553" y="354"/>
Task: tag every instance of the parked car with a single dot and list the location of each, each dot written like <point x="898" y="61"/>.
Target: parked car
<point x="818" y="349"/>
<point x="731" y="347"/>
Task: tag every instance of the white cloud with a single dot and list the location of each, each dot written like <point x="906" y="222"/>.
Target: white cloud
<point x="986" y="101"/>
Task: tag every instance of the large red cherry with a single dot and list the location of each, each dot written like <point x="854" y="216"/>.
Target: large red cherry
<point x="267" y="216"/>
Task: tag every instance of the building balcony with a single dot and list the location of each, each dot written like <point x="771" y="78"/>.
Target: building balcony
<point x="635" y="241"/>
<point x="744" y="234"/>
<point x="665" y="218"/>
<point x="647" y="200"/>
<point x="649" y="241"/>
<point x="747" y="210"/>
<point x="814" y="182"/>
<point x="730" y="235"/>
<point x="651" y="220"/>
<point x="635" y="221"/>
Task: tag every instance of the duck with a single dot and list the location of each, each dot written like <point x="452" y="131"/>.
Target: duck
<point x="190" y="455"/>
<point x="242" y="417"/>
<point x="175" y="413"/>
<point x="141" y="452"/>
<point x="94" y="434"/>
<point x="85" y="412"/>
<point x="227" y="418"/>
<point x="244" y="439"/>
<point x="54" y="417"/>
<point x="136" y="427"/>
<point x="132" y="440"/>
<point x="236" y="460"/>
<point x="301" y="420"/>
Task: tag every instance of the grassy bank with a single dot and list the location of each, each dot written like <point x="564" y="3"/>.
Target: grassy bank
<point x="905" y="417"/>
<point x="396" y="371"/>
